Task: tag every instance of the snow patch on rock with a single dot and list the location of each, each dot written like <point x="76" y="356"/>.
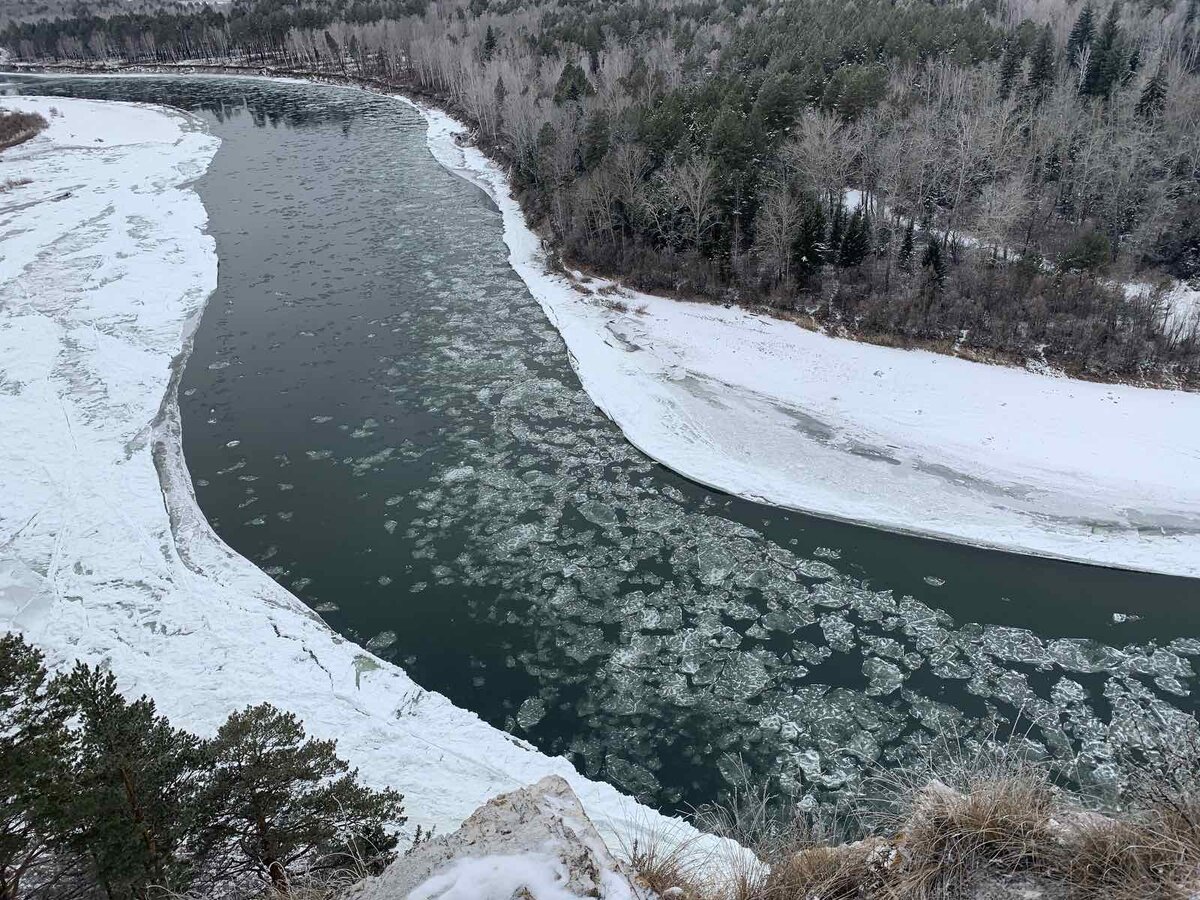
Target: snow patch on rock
<point x="535" y="843"/>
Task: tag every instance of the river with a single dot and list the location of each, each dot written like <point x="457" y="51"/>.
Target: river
<point x="378" y="414"/>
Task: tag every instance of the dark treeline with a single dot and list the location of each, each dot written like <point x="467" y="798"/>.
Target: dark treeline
<point x="35" y="10"/>
<point x="989" y="176"/>
<point x="101" y="798"/>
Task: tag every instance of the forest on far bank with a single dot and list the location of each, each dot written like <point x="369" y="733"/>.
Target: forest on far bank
<point x="1007" y="179"/>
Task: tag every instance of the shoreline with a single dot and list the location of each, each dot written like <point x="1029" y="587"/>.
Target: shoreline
<point x="590" y="350"/>
<point x="858" y="462"/>
<point x="109" y="558"/>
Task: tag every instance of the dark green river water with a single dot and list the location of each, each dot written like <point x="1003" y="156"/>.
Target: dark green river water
<point x="377" y="413"/>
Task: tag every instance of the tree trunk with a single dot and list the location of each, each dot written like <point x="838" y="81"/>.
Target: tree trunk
<point x="275" y="869"/>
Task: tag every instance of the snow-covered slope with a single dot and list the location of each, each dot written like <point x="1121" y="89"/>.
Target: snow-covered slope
<point x="104" y="556"/>
<point x="905" y="440"/>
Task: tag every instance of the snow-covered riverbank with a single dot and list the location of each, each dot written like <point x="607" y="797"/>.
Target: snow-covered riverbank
<point x="105" y="269"/>
<point x="909" y="441"/>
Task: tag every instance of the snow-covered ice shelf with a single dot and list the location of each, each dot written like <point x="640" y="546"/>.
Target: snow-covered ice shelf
<point x="908" y="441"/>
<point x="105" y="268"/>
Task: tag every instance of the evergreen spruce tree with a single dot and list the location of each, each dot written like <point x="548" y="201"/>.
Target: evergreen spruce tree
<point x="34" y="773"/>
<point x="499" y="95"/>
<point x="1132" y="66"/>
<point x="856" y="241"/>
<point x="809" y="247"/>
<point x="1082" y="33"/>
<point x="778" y="101"/>
<point x="1091" y="251"/>
<point x="573" y="85"/>
<point x="934" y="260"/>
<point x="1041" y="66"/>
<point x="546" y="139"/>
<point x="837" y="230"/>
<point x="1108" y="64"/>
<point x="279" y="804"/>
<point x="1154" y="95"/>
<point x="904" y="259"/>
<point x="488" y="50"/>
<point x="594" y="141"/>
<point x="1010" y="67"/>
<point x="135" y="779"/>
<point x="335" y="51"/>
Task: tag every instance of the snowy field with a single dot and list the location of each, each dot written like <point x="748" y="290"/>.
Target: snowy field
<point x="104" y="555"/>
<point x="909" y="441"/>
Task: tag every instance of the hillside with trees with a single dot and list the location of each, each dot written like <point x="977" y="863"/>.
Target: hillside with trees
<point x="1016" y="180"/>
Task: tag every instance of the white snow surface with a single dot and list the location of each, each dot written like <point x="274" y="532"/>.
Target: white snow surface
<point x="105" y="268"/>
<point x="910" y="441"/>
<point x="499" y="878"/>
<point x="1183" y="307"/>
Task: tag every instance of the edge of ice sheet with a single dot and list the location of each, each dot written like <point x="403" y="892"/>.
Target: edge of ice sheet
<point x="105" y="555"/>
<point x="908" y="441"/>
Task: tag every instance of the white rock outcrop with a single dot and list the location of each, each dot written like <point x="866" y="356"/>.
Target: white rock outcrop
<point x="535" y="843"/>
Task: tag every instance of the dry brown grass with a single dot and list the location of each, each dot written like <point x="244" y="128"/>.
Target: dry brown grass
<point x="1106" y="859"/>
<point x="974" y="807"/>
<point x="998" y="825"/>
<point x="974" y="814"/>
<point x="17" y="127"/>
<point x="830" y="873"/>
<point x="675" y="865"/>
<point x="1180" y="821"/>
<point x="671" y="869"/>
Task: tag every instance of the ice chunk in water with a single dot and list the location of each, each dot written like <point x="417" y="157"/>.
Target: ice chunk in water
<point x="532" y="711"/>
<point x="381" y="641"/>
<point x="1015" y="645"/>
<point x="884" y="677"/>
<point x="839" y="633"/>
<point x="1084" y="655"/>
<point x="598" y="513"/>
<point x="715" y="564"/>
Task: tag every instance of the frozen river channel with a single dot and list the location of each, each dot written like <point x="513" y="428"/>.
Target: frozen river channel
<point x="379" y="415"/>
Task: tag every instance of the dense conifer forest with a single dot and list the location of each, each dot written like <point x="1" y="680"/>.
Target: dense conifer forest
<point x="1005" y="179"/>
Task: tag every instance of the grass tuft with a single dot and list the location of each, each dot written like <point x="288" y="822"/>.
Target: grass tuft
<point x="1107" y="859"/>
